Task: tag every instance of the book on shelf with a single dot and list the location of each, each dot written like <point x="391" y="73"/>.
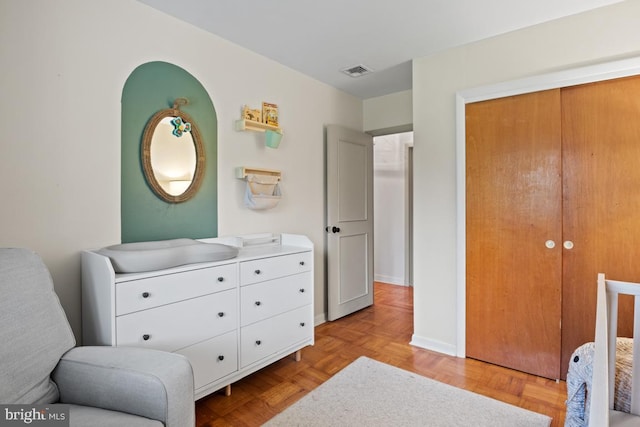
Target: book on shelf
<point x="270" y="114"/>
<point x="254" y="115"/>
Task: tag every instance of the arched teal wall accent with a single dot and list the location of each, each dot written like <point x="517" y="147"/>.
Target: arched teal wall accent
<point x="152" y="87"/>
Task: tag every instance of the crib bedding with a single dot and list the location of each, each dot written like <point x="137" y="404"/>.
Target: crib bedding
<point x="579" y="381"/>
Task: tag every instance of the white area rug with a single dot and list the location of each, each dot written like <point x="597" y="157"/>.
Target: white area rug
<point x="371" y="393"/>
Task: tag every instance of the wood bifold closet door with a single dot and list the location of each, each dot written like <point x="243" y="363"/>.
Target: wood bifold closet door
<point x="514" y="195"/>
<point x="553" y="198"/>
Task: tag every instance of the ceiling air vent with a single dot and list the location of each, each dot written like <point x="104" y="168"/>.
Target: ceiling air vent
<point x="357" y="70"/>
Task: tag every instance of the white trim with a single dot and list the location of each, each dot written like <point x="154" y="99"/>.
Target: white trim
<point x="408" y="214"/>
<point x="576" y="76"/>
<point x="319" y="319"/>
<point x="392" y="280"/>
<point x="433" y="345"/>
<point x="588" y="74"/>
<point x="461" y="229"/>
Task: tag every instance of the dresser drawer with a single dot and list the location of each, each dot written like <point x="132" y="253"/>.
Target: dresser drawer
<point x="271" y="268"/>
<point x="212" y="359"/>
<point x="175" y="326"/>
<point x="266" y="299"/>
<point x="275" y="334"/>
<point x="155" y="291"/>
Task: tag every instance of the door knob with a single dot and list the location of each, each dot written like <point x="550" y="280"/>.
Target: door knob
<point x="335" y="229"/>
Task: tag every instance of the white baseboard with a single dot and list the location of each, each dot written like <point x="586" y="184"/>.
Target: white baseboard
<point x="319" y="319"/>
<point x="389" y="279"/>
<point x="433" y="345"/>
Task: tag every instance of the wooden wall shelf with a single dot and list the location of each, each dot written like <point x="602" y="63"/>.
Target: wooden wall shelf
<point x="243" y="171"/>
<point x="244" y="124"/>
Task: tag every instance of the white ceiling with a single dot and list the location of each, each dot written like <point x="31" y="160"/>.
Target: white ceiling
<point x="321" y="37"/>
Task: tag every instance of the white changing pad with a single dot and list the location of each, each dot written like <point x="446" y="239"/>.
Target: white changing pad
<point x="161" y="254"/>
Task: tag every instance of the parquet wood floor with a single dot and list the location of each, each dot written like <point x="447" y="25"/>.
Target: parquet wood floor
<point x="380" y="332"/>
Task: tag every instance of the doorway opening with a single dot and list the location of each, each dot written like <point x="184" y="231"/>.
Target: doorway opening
<point x="393" y="208"/>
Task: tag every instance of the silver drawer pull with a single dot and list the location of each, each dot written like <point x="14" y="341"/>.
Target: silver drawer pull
<point x="220" y="279"/>
<point x="221" y="314"/>
<point x="146" y="337"/>
<point x="145" y="295"/>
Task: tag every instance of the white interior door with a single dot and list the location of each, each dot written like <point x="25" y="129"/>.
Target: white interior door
<point x="349" y="169"/>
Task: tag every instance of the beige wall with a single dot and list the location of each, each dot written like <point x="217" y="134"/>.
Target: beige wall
<point x="594" y="37"/>
<point x="62" y="77"/>
<point x="387" y="114"/>
<point x="64" y="67"/>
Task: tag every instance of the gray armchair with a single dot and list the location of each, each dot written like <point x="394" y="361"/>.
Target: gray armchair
<point x="103" y="386"/>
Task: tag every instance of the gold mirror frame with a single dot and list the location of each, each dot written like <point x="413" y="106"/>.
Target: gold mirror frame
<point x="147" y="137"/>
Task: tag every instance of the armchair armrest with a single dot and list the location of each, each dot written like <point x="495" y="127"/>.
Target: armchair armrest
<point x="150" y="383"/>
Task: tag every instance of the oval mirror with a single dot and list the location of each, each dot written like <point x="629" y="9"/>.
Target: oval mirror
<point x="173" y="156"/>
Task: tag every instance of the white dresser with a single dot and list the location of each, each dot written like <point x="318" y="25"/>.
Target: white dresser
<point x="230" y="318"/>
